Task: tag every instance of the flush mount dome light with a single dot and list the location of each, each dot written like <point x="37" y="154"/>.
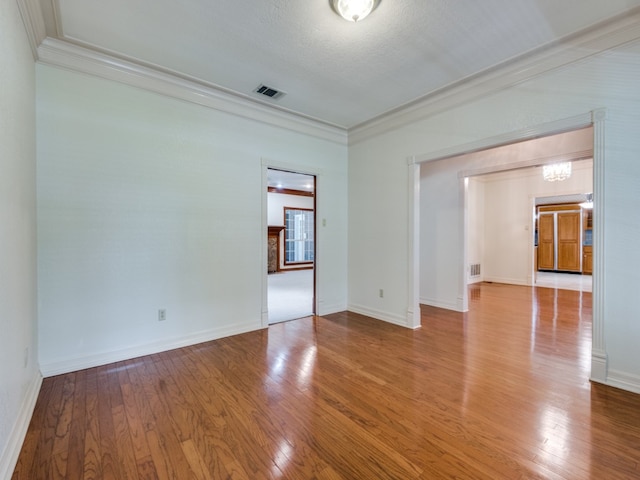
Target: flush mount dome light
<point x="354" y="10"/>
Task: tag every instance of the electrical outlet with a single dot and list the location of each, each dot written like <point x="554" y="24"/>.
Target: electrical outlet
<point x="162" y="315"/>
<point x="381" y="293"/>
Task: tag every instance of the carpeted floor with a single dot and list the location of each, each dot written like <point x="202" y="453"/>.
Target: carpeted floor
<point x="290" y="295"/>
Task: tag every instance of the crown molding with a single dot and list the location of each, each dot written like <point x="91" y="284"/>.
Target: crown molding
<point x="33" y="21"/>
<point x="59" y="53"/>
<point x="593" y="41"/>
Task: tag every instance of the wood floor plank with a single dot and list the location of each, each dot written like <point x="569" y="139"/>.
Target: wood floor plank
<point x="78" y="428"/>
<point x="109" y="458"/>
<point x="502" y="391"/>
<point x="42" y="464"/>
<point x="164" y="445"/>
<point x="92" y="467"/>
<point x="124" y="444"/>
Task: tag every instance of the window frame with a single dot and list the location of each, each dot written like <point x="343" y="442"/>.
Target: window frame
<point x="311" y="238"/>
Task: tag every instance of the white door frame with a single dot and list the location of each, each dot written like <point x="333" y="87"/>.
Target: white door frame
<point x="296" y="168"/>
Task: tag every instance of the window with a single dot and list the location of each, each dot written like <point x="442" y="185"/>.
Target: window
<point x="298" y="235"/>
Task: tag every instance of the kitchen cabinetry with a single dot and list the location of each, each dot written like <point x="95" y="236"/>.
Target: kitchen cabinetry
<point x="546" y="241"/>
<point x="559" y="238"/>
<point x="568" y="245"/>
<point x="587" y="260"/>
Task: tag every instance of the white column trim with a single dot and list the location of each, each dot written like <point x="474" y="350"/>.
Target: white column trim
<point x="413" y="245"/>
<point x="463" y="278"/>
<point x="598" y="346"/>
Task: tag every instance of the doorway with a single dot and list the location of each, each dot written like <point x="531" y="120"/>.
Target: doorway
<point x="563" y="240"/>
<point x="291" y="245"/>
<point x="452" y="288"/>
<point x="521" y="229"/>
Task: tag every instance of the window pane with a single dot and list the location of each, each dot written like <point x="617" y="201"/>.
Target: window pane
<point x="299" y="225"/>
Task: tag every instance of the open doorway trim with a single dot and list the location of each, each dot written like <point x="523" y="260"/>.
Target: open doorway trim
<point x="595" y="118"/>
<point x="297" y="168"/>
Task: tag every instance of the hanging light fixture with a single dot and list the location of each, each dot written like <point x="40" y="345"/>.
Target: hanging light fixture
<point x="354" y="10"/>
<point x="556" y="172"/>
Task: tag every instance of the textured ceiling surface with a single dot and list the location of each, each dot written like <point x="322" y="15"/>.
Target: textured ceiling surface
<point x="338" y="72"/>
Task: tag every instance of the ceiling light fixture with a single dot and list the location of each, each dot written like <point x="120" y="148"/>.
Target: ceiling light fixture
<point x="354" y="10"/>
<point x="556" y="172"/>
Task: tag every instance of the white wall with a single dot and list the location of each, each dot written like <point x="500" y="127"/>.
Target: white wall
<point x="441" y="243"/>
<point x="475" y="227"/>
<point x="379" y="191"/>
<point x="147" y="202"/>
<point x="508" y="229"/>
<point x="277" y="202"/>
<point x="19" y="382"/>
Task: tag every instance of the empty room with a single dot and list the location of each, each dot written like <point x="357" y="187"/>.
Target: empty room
<point x="138" y="337"/>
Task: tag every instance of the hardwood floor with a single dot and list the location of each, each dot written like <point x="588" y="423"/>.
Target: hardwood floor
<point x="501" y="392"/>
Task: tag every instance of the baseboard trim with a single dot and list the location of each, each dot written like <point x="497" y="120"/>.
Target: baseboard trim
<point x="508" y="281"/>
<point x="455" y="306"/>
<point x="379" y="315"/>
<point x="9" y="457"/>
<point x="330" y="309"/>
<point x="89" y="361"/>
<point x="624" y="381"/>
<point x="599" y="366"/>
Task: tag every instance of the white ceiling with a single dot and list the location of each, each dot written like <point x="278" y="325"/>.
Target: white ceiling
<point x="338" y="72"/>
<point x="282" y="179"/>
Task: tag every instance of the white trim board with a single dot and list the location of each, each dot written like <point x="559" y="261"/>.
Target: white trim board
<point x="624" y="381"/>
<point x="379" y="315"/>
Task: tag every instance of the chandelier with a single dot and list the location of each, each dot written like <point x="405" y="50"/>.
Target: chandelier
<point x="556" y="172"/>
<point x="354" y="10"/>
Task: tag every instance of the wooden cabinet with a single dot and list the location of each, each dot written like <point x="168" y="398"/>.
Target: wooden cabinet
<point x="559" y="238"/>
<point x="587" y="260"/>
<point x="546" y="241"/>
<point x="568" y="233"/>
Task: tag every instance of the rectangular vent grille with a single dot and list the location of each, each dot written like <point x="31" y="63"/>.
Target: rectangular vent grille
<point x="474" y="270"/>
<point x="269" y="92"/>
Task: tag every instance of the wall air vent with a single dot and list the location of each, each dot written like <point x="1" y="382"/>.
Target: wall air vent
<point x="474" y="270"/>
<point x="269" y="92"/>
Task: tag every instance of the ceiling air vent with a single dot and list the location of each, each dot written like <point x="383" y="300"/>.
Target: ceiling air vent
<point x="269" y="92"/>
